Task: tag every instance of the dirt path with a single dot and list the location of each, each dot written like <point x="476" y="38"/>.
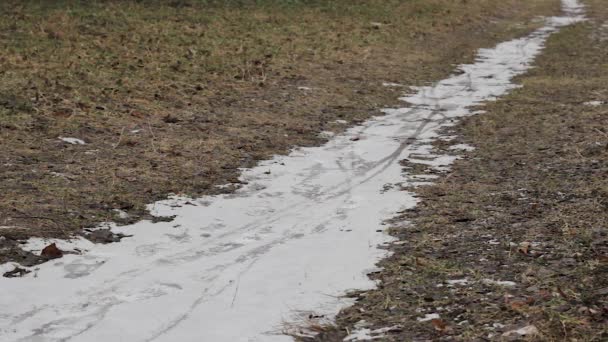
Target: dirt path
<point x="511" y="244"/>
<point x="237" y="267"/>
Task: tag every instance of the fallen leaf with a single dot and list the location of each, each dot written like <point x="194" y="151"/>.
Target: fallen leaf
<point x="529" y="330"/>
<point x="524" y="248"/>
<point x="51" y="252"/>
<point x="439" y="324"/>
<point x="421" y="261"/>
<point x="517" y="305"/>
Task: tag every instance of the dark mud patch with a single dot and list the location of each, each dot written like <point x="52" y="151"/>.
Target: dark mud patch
<point x="10" y="250"/>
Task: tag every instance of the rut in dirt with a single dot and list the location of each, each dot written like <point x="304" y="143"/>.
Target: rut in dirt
<point x="240" y="267"/>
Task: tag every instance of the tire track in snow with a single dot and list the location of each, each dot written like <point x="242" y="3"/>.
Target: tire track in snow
<point x="233" y="267"/>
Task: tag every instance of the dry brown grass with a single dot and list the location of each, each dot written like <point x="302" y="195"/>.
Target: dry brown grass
<point x="175" y="97"/>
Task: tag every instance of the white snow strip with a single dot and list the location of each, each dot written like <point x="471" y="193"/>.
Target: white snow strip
<point x="237" y="267"/>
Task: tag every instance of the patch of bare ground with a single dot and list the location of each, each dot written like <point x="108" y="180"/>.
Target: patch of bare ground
<point x="108" y="106"/>
<point x="512" y="244"/>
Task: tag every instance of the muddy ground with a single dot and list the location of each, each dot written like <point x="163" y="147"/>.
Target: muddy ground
<point x="175" y="97"/>
<point x="512" y="243"/>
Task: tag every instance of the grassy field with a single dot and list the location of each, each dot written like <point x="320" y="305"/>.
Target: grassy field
<point x="528" y="206"/>
<point x="175" y="96"/>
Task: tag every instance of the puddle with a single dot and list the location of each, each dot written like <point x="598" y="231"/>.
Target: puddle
<point x="237" y="267"/>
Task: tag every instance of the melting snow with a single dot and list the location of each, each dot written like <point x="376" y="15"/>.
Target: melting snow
<point x="121" y="213"/>
<point x="462" y="147"/>
<point x="392" y="84"/>
<point x="365" y="334"/>
<point x="429" y="317"/>
<point x="300" y="234"/>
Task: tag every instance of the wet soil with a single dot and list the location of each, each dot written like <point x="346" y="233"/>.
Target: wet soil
<point x="153" y="122"/>
<point x="512" y="243"/>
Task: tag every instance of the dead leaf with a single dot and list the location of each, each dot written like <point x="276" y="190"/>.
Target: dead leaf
<point x="421" y="262"/>
<point x="138" y="114"/>
<point x="517" y="305"/>
<point x="51" y="252"/>
<point x="524" y="248"/>
<point x="439" y="325"/>
<point x="529" y="330"/>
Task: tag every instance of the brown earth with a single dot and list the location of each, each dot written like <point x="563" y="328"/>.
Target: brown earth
<point x="174" y="97"/>
<point x="512" y="243"/>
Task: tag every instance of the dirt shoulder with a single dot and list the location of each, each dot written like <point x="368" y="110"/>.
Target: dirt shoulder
<point x="512" y="243"/>
<point x="175" y="97"/>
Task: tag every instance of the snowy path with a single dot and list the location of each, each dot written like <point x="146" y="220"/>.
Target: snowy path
<point x="236" y="267"/>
